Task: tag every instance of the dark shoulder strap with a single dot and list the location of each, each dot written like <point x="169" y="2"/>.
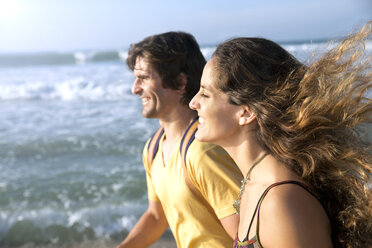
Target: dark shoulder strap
<point x="153" y="146"/>
<point x="257" y="209"/>
<point x="186" y="141"/>
<point x="188" y="138"/>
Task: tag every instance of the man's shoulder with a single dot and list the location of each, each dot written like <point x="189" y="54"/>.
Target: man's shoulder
<point x="200" y="147"/>
<point x="206" y="161"/>
<point x="199" y="150"/>
<point x="146" y="146"/>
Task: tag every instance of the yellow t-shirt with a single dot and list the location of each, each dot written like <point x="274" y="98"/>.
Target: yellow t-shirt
<point x="216" y="176"/>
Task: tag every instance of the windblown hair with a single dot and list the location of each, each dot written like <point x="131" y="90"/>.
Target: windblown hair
<point x="171" y="54"/>
<point x="310" y="118"/>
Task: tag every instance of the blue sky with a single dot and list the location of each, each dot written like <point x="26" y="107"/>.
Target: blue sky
<point x="65" y="25"/>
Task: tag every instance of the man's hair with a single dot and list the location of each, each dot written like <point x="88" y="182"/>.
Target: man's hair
<point x="171" y="54"/>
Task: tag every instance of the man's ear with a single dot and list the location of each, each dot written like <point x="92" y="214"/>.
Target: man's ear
<point x="247" y="116"/>
<point x="182" y="78"/>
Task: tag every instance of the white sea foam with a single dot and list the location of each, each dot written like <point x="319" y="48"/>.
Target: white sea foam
<point x="83" y="57"/>
<point x="3" y="185"/>
<point x="123" y="55"/>
<point x="88" y="82"/>
<point x="103" y="219"/>
<point x="72" y="89"/>
<point x="117" y="187"/>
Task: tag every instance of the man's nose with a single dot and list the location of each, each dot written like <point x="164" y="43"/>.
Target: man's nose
<point x="136" y="87"/>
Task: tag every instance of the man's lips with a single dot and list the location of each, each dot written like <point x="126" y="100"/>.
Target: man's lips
<point x="145" y="100"/>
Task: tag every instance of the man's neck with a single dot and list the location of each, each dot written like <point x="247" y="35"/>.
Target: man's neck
<point x="175" y="126"/>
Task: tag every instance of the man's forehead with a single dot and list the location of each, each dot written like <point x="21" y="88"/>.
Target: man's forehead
<point x="142" y="65"/>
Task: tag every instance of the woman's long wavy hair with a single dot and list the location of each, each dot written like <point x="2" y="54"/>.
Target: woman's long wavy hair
<point x="310" y="118"/>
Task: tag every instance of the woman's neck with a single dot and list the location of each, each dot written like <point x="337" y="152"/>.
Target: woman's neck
<point x="245" y="152"/>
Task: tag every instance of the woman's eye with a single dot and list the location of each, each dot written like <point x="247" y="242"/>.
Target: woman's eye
<point x="203" y="95"/>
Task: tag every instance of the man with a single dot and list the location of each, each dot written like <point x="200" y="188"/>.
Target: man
<point x="168" y="69"/>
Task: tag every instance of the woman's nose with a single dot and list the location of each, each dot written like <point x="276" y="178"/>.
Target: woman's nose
<point x="194" y="104"/>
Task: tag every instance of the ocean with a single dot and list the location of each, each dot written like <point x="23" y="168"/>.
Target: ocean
<point x="71" y="137"/>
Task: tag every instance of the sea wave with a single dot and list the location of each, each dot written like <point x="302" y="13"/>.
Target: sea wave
<point x="120" y="55"/>
<point x="88" y="82"/>
<point x="60" y="58"/>
<point x="50" y="226"/>
<point x="72" y="89"/>
<point x="65" y="58"/>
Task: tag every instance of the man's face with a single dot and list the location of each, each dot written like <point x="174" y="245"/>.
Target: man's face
<point x="156" y="100"/>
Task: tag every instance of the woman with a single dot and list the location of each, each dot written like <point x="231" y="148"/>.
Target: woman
<point x="293" y="130"/>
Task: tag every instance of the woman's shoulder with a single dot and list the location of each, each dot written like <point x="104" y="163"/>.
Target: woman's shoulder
<point x="291" y="216"/>
<point x="291" y="197"/>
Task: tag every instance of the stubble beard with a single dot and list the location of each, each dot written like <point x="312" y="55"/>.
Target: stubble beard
<point x="149" y="112"/>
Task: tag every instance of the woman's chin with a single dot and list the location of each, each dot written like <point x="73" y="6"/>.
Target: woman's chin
<point x="204" y="138"/>
<point x="200" y="137"/>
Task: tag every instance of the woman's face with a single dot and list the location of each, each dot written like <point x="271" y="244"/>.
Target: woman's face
<point x="218" y="119"/>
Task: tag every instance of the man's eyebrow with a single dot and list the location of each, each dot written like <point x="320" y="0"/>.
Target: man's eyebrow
<point x="142" y="75"/>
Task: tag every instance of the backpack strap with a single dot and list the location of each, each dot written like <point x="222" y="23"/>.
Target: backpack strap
<point x="187" y="139"/>
<point x="153" y="147"/>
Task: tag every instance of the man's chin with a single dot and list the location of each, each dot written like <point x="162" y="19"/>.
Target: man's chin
<point x="149" y="115"/>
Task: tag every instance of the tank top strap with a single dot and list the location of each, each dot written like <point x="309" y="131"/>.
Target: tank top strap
<point x="258" y="206"/>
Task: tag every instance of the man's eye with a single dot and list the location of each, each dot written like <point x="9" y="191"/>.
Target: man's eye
<point x="203" y="95"/>
<point x="142" y="77"/>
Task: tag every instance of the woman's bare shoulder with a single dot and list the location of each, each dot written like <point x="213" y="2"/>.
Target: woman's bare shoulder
<point x="292" y="217"/>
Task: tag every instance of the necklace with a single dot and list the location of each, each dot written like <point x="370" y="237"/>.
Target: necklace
<point x="244" y="182"/>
